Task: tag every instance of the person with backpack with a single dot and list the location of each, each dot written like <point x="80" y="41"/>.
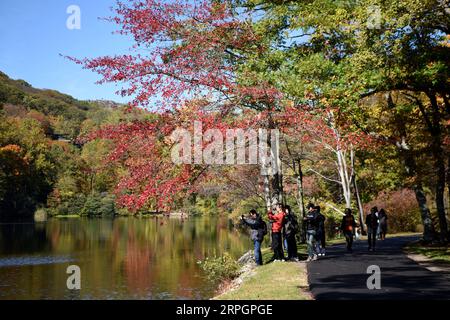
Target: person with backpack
<point x="258" y="231"/>
<point x="320" y="235"/>
<point x="291" y="228"/>
<point x="372" y="227"/>
<point x="348" y="227"/>
<point x="277" y="220"/>
<point x="311" y="230"/>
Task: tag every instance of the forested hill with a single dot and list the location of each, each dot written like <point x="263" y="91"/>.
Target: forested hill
<point x="41" y="167"/>
<point x="67" y="113"/>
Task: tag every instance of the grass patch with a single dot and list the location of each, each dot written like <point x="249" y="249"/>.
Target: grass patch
<point x="62" y="216"/>
<point x="273" y="281"/>
<point x="437" y="253"/>
<point x="402" y="234"/>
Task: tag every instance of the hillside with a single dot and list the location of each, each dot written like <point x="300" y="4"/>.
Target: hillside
<point x="18" y="97"/>
<point x="41" y="166"/>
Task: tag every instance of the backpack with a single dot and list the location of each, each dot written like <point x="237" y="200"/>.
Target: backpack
<point x="291" y="225"/>
<point x="264" y="228"/>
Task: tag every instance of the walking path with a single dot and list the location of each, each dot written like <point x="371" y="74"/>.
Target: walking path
<point x="342" y="275"/>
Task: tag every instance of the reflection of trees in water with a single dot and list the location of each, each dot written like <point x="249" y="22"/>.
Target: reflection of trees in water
<point x="137" y="263"/>
<point x="23" y="238"/>
<point x="128" y="257"/>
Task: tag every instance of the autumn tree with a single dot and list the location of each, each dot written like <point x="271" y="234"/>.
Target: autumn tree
<point x="167" y="68"/>
<point x="341" y="52"/>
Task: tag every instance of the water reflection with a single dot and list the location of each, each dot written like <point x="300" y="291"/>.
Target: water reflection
<point x="123" y="258"/>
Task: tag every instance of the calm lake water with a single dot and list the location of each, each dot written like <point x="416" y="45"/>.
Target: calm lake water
<point x="122" y="258"/>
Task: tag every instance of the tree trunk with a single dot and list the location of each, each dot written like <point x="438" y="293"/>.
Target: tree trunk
<point x="428" y="229"/>
<point x="300" y="189"/>
<point x="301" y="202"/>
<point x="410" y="167"/>
<point x="267" y="192"/>
<point x="438" y="153"/>
<point x="440" y="206"/>
<point x="274" y="150"/>
<point x="360" y="207"/>
<point x="448" y="179"/>
<point x="344" y="177"/>
<point x="407" y="157"/>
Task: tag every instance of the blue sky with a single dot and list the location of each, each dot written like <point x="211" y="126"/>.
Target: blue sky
<point x="33" y="34"/>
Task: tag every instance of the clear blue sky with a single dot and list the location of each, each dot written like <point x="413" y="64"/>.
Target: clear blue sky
<point x="33" y="34"/>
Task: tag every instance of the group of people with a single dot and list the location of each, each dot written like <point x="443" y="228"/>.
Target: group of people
<point x="285" y="227"/>
<point x="376" y="222"/>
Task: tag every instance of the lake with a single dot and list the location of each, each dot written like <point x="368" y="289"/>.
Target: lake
<point x="121" y="258"/>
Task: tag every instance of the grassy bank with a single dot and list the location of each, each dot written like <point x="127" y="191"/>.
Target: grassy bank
<point x="437" y="253"/>
<point x="273" y="281"/>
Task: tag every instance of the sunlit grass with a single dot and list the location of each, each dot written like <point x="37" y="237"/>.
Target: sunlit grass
<point x="273" y="281"/>
<point x="61" y="216"/>
<point x="437" y="253"/>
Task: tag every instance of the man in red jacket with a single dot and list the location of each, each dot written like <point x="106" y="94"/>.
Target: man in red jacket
<point x="277" y="220"/>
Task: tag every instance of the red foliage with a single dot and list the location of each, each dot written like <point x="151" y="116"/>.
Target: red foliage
<point x="182" y="48"/>
<point x="185" y="49"/>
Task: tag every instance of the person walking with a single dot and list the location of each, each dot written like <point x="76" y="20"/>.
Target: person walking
<point x="372" y="227"/>
<point x="277" y="220"/>
<point x="291" y="228"/>
<point x="382" y="225"/>
<point x="258" y="231"/>
<point x="348" y="227"/>
<point x="311" y="230"/>
<point x="320" y="235"/>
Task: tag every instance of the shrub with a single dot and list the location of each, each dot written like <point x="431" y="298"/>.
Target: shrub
<point x="68" y="206"/>
<point x="40" y="215"/>
<point x="220" y="268"/>
<point x="401" y="208"/>
<point x="332" y="222"/>
<point x="99" y="204"/>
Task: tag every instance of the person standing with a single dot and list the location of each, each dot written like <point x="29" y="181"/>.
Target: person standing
<point x="382" y="226"/>
<point x="291" y="228"/>
<point x="277" y="220"/>
<point x="320" y="235"/>
<point x="372" y="227"/>
<point x="258" y="231"/>
<point x="311" y="230"/>
<point x="348" y="227"/>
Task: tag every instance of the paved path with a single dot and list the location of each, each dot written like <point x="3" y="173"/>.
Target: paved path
<point x="342" y="275"/>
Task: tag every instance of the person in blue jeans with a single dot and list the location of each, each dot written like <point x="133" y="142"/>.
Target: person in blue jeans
<point x="258" y="231"/>
<point x="310" y="220"/>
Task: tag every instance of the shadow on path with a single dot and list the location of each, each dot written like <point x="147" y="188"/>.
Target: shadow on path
<point x="341" y="275"/>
